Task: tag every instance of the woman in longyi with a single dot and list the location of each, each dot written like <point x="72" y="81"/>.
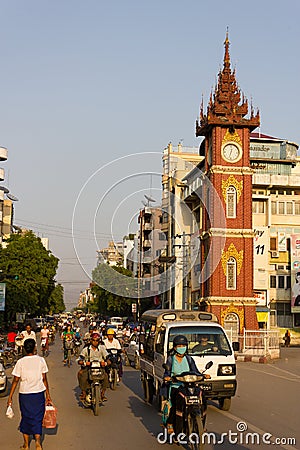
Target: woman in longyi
<point x="31" y="371"/>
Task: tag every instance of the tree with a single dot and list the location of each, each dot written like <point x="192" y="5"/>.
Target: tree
<point x="106" y="301"/>
<point x="56" y="300"/>
<point x="25" y="256"/>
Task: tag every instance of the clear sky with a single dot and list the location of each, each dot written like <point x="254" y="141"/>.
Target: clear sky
<point x="85" y="83"/>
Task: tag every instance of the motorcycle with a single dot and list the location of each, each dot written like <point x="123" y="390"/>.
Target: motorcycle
<point x="96" y="374"/>
<point x="77" y="345"/>
<point x="69" y="347"/>
<point x="8" y="356"/>
<point x="44" y="347"/>
<point x="51" y="337"/>
<point x="114" y="356"/>
<point x="191" y="407"/>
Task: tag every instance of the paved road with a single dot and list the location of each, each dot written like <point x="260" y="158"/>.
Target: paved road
<point x="267" y="401"/>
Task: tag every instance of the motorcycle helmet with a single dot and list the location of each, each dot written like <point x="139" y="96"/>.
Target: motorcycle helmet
<point x="180" y="339"/>
<point x="95" y="335"/>
<point x="110" y="331"/>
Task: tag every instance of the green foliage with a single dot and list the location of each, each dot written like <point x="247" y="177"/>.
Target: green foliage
<point x="106" y="302"/>
<point x="56" y="300"/>
<point x="34" y="291"/>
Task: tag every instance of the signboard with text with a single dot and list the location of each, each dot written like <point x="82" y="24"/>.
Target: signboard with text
<point x="260" y="258"/>
<point x="295" y="273"/>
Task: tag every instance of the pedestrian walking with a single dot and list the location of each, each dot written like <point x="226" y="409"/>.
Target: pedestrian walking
<point x="287" y="338"/>
<point x="31" y="371"/>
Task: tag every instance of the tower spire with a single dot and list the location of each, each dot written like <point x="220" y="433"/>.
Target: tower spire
<point x="227" y="104"/>
<point x="226" y="54"/>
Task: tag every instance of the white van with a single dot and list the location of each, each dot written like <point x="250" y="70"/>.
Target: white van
<point x="117" y="321"/>
<point x="158" y="329"/>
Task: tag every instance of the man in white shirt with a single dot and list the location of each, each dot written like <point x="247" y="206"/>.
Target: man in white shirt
<point x="94" y="351"/>
<point x="28" y="333"/>
<point x="111" y="342"/>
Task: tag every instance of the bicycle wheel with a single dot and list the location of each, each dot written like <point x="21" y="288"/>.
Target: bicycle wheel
<point x="96" y="399"/>
<point x="195" y="432"/>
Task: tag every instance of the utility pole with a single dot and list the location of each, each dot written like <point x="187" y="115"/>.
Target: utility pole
<point x="139" y="271"/>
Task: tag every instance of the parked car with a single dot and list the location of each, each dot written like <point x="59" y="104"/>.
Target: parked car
<point x="132" y="354"/>
<point x="3" y="381"/>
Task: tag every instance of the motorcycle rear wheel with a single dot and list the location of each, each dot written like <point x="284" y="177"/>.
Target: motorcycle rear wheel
<point x="96" y="399"/>
<point x="195" y="432"/>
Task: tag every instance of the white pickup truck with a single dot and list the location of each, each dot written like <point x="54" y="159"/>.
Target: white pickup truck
<point x="158" y="329"/>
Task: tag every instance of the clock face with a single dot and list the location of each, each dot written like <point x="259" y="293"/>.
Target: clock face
<point x="231" y="152"/>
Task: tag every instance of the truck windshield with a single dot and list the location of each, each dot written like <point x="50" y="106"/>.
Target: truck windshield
<point x="202" y="340"/>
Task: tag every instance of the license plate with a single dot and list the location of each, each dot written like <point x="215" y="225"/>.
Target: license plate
<point x="206" y="387"/>
<point x="192" y="400"/>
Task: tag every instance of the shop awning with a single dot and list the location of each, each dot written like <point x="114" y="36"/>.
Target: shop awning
<point x="262" y="316"/>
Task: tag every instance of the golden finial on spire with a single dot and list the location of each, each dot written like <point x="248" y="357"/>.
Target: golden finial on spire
<point x="226" y="55"/>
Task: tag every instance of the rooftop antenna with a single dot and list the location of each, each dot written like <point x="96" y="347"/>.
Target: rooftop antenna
<point x="12" y="197"/>
<point x="149" y="199"/>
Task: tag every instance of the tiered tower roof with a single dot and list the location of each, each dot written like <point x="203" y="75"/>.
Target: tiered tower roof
<point x="227" y="105"/>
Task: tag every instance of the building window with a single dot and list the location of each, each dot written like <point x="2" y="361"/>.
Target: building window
<point x="231" y="274"/>
<point x="281" y="208"/>
<point x="283" y="309"/>
<point x="297" y="208"/>
<point x="273" y="208"/>
<point x="258" y="207"/>
<point x="273" y="243"/>
<point x="273" y="281"/>
<point x="281" y="281"/>
<point x="288" y="282"/>
<point x="231" y="202"/>
<point x="289" y="207"/>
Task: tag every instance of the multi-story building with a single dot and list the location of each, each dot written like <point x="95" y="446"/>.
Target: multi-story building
<point x="276" y="219"/>
<point x="177" y="162"/>
<point x="112" y="255"/>
<point x="151" y="241"/>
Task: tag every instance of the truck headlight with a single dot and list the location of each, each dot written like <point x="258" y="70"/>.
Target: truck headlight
<point x="227" y="369"/>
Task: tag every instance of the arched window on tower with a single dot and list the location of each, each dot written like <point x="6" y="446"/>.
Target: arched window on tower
<point x="231" y="202"/>
<point x="231" y="274"/>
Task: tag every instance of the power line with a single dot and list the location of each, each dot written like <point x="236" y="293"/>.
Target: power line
<point x="60" y="229"/>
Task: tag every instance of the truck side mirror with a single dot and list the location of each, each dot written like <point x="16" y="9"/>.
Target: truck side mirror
<point x="236" y="346"/>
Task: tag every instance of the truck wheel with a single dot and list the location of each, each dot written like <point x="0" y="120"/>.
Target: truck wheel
<point x="148" y="391"/>
<point x="224" y="403"/>
<point x="137" y="362"/>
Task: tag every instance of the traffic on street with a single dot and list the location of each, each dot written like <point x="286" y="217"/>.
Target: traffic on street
<point x="263" y="412"/>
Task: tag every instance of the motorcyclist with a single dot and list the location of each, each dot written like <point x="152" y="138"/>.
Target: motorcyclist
<point x="112" y="342"/>
<point x="45" y="335"/>
<point x="67" y="335"/>
<point x="178" y="362"/>
<point x="94" y="351"/>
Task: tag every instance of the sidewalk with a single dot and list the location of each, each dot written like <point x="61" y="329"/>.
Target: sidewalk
<point x="252" y="358"/>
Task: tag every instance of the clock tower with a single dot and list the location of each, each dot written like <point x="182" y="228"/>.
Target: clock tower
<point x="227" y="245"/>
